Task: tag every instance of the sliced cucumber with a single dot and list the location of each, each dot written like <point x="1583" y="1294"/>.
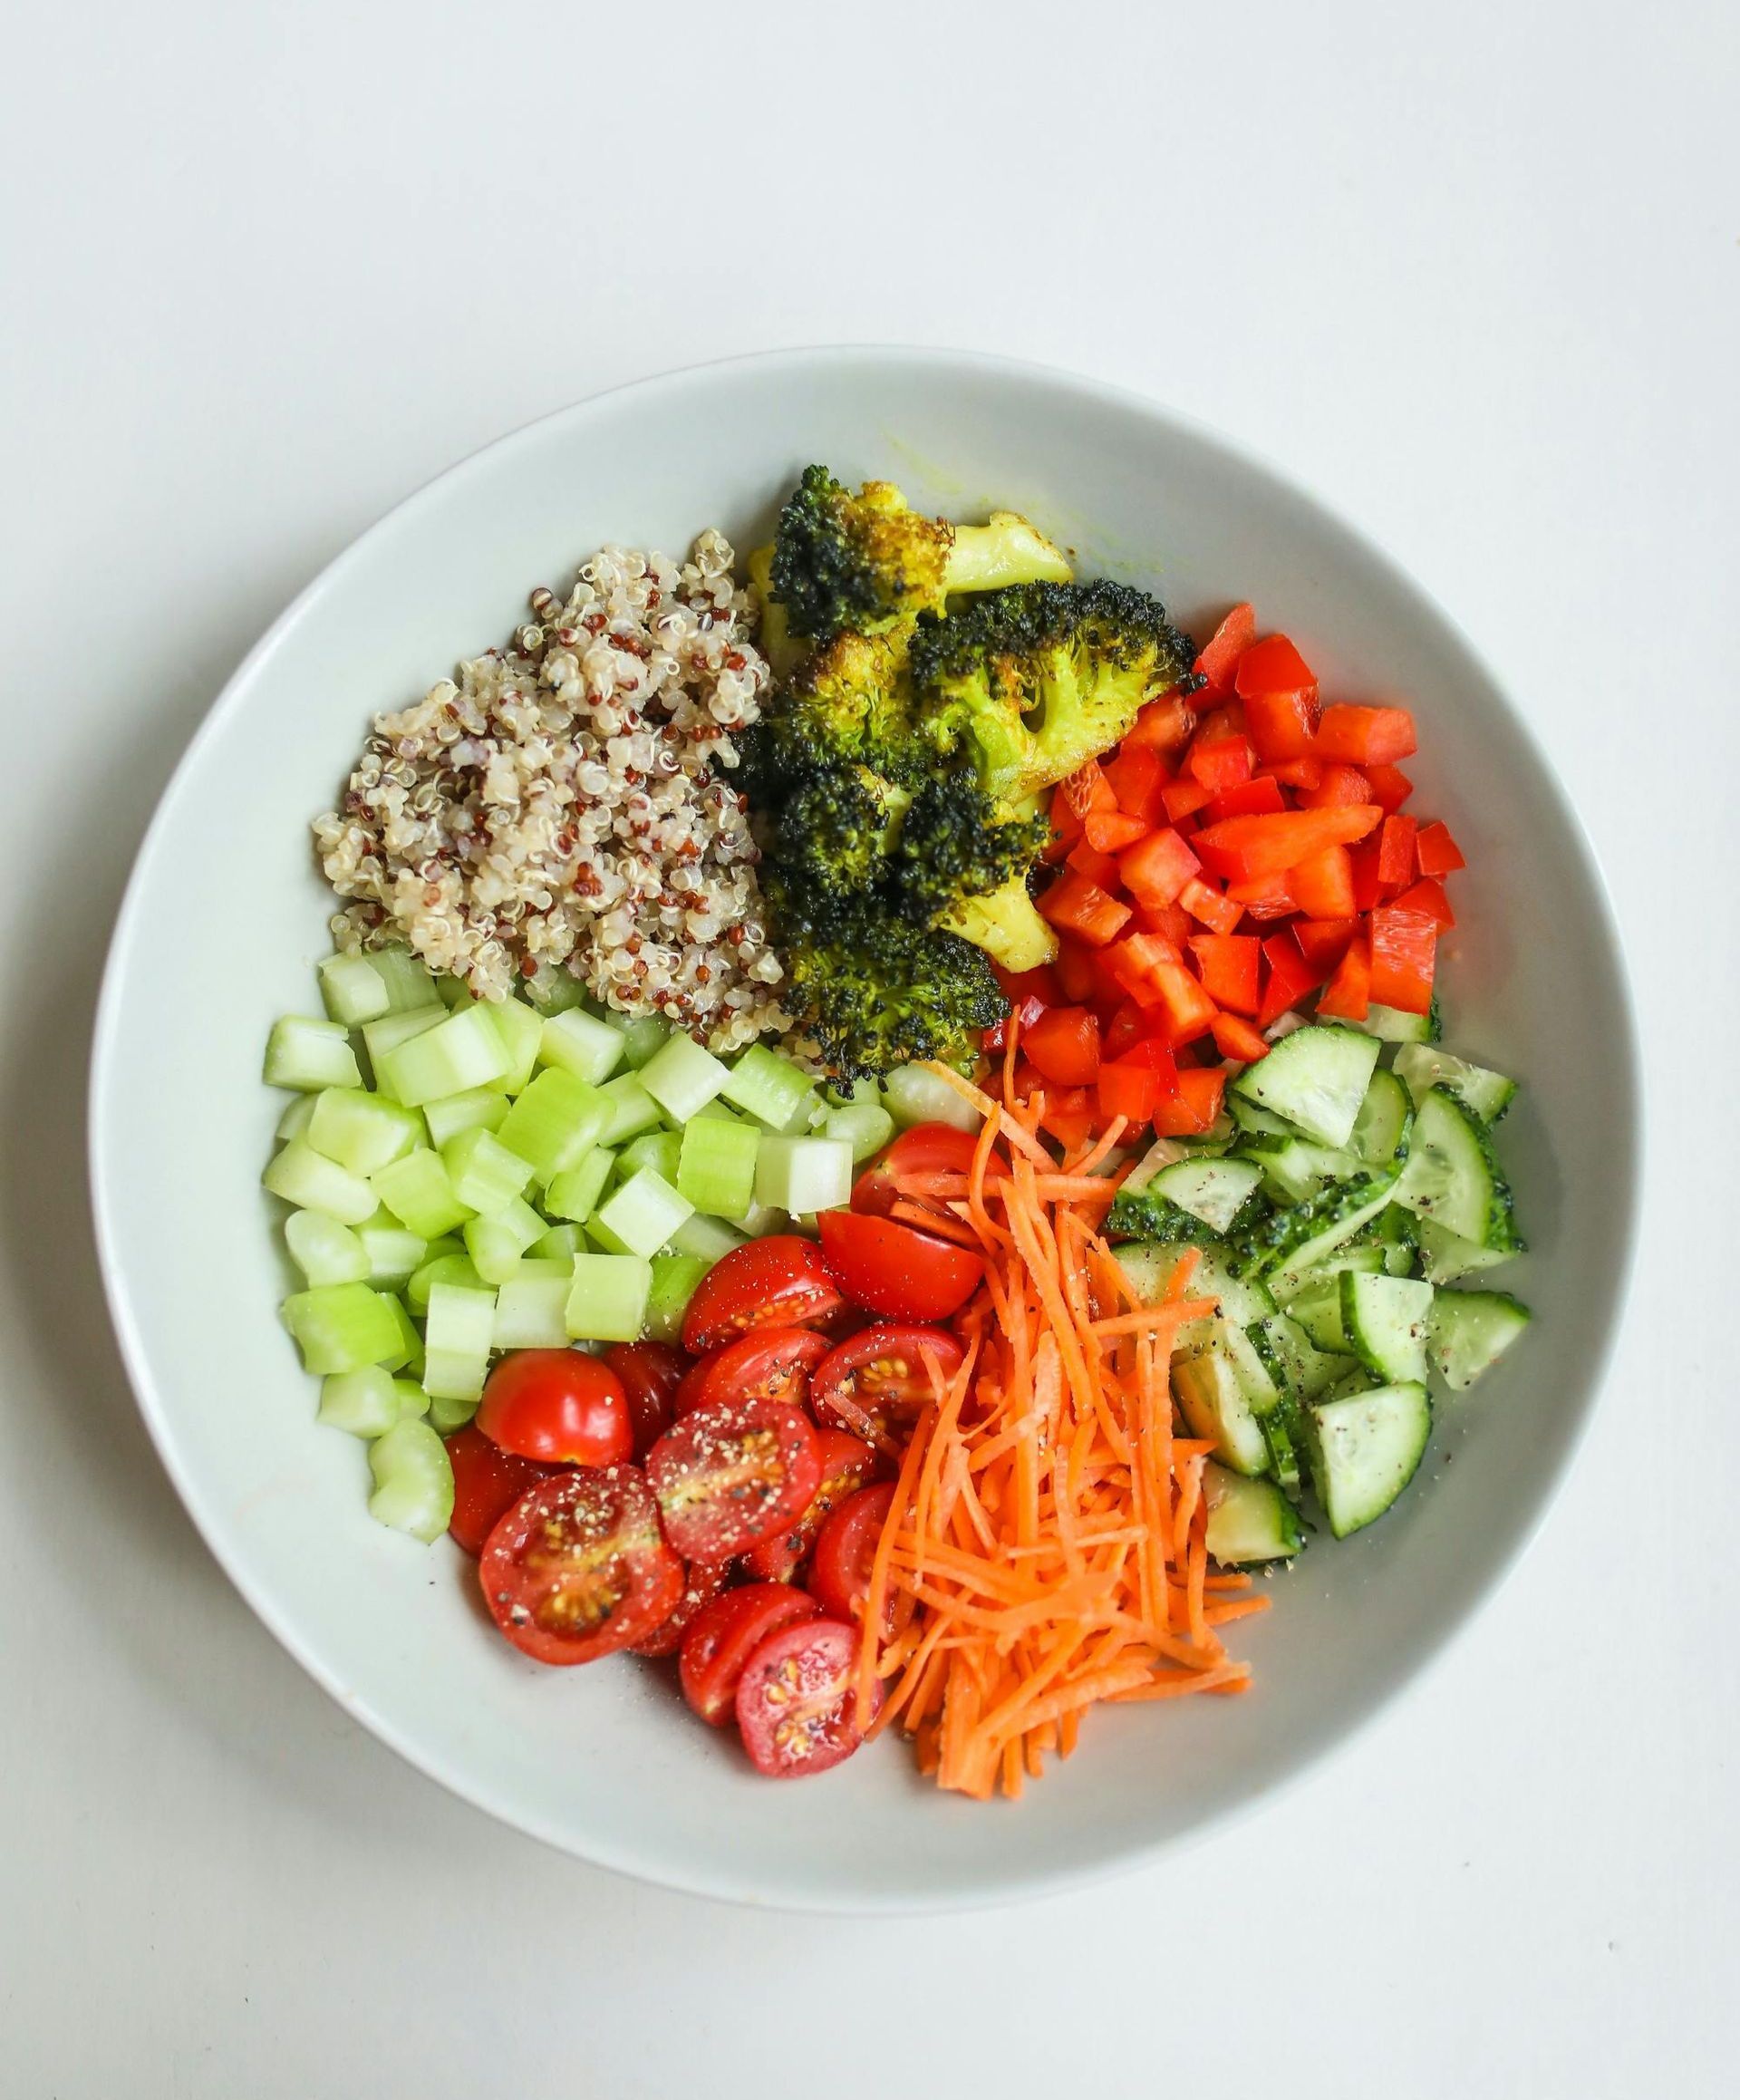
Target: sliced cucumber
<point x="1217" y="1191"/>
<point x="1385" y="1321"/>
<point x="1294" y="1169"/>
<point x="1422" y="1066"/>
<point x="1390" y="1024"/>
<point x="1283" y="1247"/>
<point x="1248" y="1520"/>
<point x="1381" y="1127"/>
<point x="1470" y="1331"/>
<point x="1317" y="1310"/>
<point x="1316" y="1078"/>
<point x="1294" y="1360"/>
<point x="1163" y="1152"/>
<point x="1149" y="1268"/>
<point x="1392" y="1232"/>
<point x="1213" y="1402"/>
<point x="1365" y="1449"/>
<point x="1453" y="1176"/>
<point x="1256" y="1120"/>
<point x="1445" y="1257"/>
<point x="1361" y="1254"/>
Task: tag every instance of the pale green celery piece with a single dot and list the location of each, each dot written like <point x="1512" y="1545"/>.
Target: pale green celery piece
<point x="554" y="1123"/>
<point x="414" y="1480"/>
<point x="478" y="1108"/>
<point x="641" y="1216"/>
<point x="465" y="1049"/>
<point x="485" y="1176"/>
<point x="406" y="977"/>
<point x="579" y="1043"/>
<point x="299" y="1112"/>
<point x="453" y="1265"/>
<point x="555" y="990"/>
<point x="380" y="1038"/>
<point x="412" y="1398"/>
<point x="452" y="992"/>
<point x="342" y="1327"/>
<point x="719" y="1112"/>
<point x="496" y="1242"/>
<point x="658" y="1149"/>
<point x="447" y="1413"/>
<point x="804" y="1175"/>
<point x="575" y="1196"/>
<point x="408" y="1353"/>
<point x="560" y="1244"/>
<point x="642" y="1039"/>
<point x="394" y="1252"/>
<point x="459" y="1321"/>
<point x="768" y="1086"/>
<point x="419" y="1191"/>
<point x="709" y="1240"/>
<point x="866" y="1125"/>
<point x="531" y="1311"/>
<point x="360" y="1131"/>
<point x="716" y="1166"/>
<point x="915" y="1094"/>
<point x="609" y="1297"/>
<point x="682" y="1078"/>
<point x="353" y="989"/>
<point x="323" y="1250"/>
<point x="629" y="1109"/>
<point x="308" y="1179"/>
<point x="762" y="1218"/>
<point x="305" y="1055"/>
<point x="675" y="1280"/>
<point x="520" y="1030"/>
<point x="363" y="1402"/>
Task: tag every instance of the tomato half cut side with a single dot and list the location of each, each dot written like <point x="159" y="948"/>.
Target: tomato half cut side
<point x="732" y="1472"/>
<point x="847" y="1463"/>
<point x="773" y="1363"/>
<point x="778" y="1281"/>
<point x="649" y="1374"/>
<point x="895" y="1271"/>
<point x="925" y="1149"/>
<point x="705" y="1581"/>
<point x="577" y="1568"/>
<point x="558" y="1406"/>
<point x="726" y="1633"/>
<point x="877" y="1378"/>
<point x="487" y="1483"/>
<point x="840" y="1576"/>
<point x="796" y="1700"/>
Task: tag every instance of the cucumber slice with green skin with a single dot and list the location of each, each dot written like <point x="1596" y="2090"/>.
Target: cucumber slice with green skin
<point x="1163" y="1152"/>
<point x="1257" y="1382"/>
<point x="1248" y="1520"/>
<point x="1213" y="1401"/>
<point x="1316" y="1079"/>
<point x="1361" y="1254"/>
<point x="1147" y="1215"/>
<point x="1385" y="1319"/>
<point x="1283" y="1247"/>
<point x="1149" y="1268"/>
<point x="1453" y="1176"/>
<point x="1219" y="1192"/>
<point x="1365" y="1449"/>
<point x="413" y="1481"/>
<point x="1317" y="1310"/>
<point x="1294" y="1169"/>
<point x="1390" y="1024"/>
<point x="1422" y="1066"/>
<point x="1445" y="1257"/>
<point x="1251" y="1119"/>
<point x="1469" y="1332"/>
<point x="1392" y="1232"/>
<point x="1294" y="1360"/>
<point x="1380" y="1130"/>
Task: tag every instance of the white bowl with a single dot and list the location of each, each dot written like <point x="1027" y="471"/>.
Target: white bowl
<point x="224" y="921"/>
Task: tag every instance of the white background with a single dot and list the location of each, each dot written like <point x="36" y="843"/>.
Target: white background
<point x="1475" y="272"/>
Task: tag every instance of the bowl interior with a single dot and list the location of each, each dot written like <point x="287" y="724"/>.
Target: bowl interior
<point x="225" y="921"/>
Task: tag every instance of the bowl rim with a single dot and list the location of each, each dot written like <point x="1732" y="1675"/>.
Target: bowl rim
<point x="601" y="1851"/>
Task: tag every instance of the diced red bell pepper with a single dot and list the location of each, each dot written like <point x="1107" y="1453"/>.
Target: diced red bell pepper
<point x="1185" y="1009"/>
<point x="1110" y="830"/>
<point x="1360" y="736"/>
<point x="1363" y="859"/>
<point x="1306" y="772"/>
<point x="1134" y="963"/>
<point x="1221" y="762"/>
<point x="1229" y="965"/>
<point x="1136" y="776"/>
<point x="1348" y="994"/>
<point x="1281" y="725"/>
<point x="1163" y="725"/>
<point x="1154" y="871"/>
<point x="1183" y="797"/>
<point x="1242" y="849"/>
<point x="1091" y="864"/>
<point x="1404" y="955"/>
<point x="1426" y="896"/>
<point x="1395" y="856"/>
<point x="1063" y="1043"/>
<point x="1391" y="787"/>
<point x="1077" y="905"/>
<point x="1077" y="973"/>
<point x="1071" y="1115"/>
<point x="1273" y="666"/>
<point x="1435" y="852"/>
<point x="1269" y="896"/>
<point x="1194" y="1108"/>
<point x="1261" y="797"/>
<point x="996" y="1037"/>
<point x="1323" y="884"/>
<point x="1040" y="982"/>
<point x="1337" y="787"/>
<point x="1323" y="942"/>
<point x="1237" y="1039"/>
<point x="1290" y="978"/>
<point x="1127" y="1027"/>
<point x="1084" y="791"/>
<point x="1135" y="1086"/>
<point x="1220" y="658"/>
<point x="1219" y="914"/>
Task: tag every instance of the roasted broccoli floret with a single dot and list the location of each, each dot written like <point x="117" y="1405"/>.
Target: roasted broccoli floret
<point x="868" y="563"/>
<point x="835" y="830"/>
<point x="955" y="842"/>
<point x="1036" y="679"/>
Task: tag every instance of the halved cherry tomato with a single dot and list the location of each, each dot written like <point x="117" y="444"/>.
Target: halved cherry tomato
<point x="847" y="1463"/>
<point x="778" y="1281"/>
<point x="651" y="1374"/>
<point x="796" y="1700"/>
<point x="731" y="1472"/>
<point x="558" y="1406"/>
<point x="577" y="1568"/>
<point x="774" y="1363"/>
<point x="840" y="1576"/>
<point x="891" y="1269"/>
<point x="705" y="1581"/>
<point x="925" y="1149"/>
<point x="487" y="1483"/>
<point x="878" y="1377"/>
<point x="723" y="1636"/>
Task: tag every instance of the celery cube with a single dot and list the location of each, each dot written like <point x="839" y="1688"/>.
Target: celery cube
<point x="478" y="1108"/>
<point x="459" y="1321"/>
<point x="642" y="1215"/>
<point x="464" y="1050"/>
<point x="413" y="1481"/>
<point x="419" y="1191"/>
<point x="496" y="1244"/>
<point x="360" y="1130"/>
<point x="579" y="1043"/>
<point x="866" y="1125"/>
<point x="629" y="1109"/>
<point x="674" y="1279"/>
<point x="531" y="1306"/>
<point x="299" y="1113"/>
<point x="608" y="1299"/>
<point x="407" y="979"/>
<point x="706" y="1238"/>
<point x="574" y="1194"/>
<point x="485" y="1176"/>
<point x="554" y="1123"/>
<point x="768" y="1086"/>
<point x="658" y="1149"/>
<point x="560" y="1244"/>
<point x="323" y="1250"/>
<point x="803" y="1174"/>
<point x="343" y="1327"/>
<point x="682" y="1078"/>
<point x="353" y="989"/>
<point x="307" y="1055"/>
<point x="412" y="1400"/>
<point x="450" y="1412"/>
<point x="716" y="1166"/>
<point x="520" y="1030"/>
<point x="642" y="1038"/>
<point x="451" y="1266"/>
<point x="311" y="1181"/>
<point x="364" y="1402"/>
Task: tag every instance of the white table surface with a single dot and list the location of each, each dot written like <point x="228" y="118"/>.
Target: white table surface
<point x="1475" y="272"/>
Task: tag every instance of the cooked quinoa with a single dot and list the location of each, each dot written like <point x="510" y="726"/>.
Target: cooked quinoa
<point x="564" y="804"/>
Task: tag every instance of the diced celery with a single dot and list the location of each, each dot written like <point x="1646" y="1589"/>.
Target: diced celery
<point x="419" y="1191"/>
<point x="642" y="1039"/>
<point x="531" y="1306"/>
<point x="452" y="992"/>
<point x="804" y="1174"/>
<point x="413" y="1401"/>
<point x="860" y="1094"/>
<point x="308" y="1179"/>
<point x="658" y="1149"/>
<point x="409" y="1354"/>
<point x="917" y="1095"/>
<point x="478" y="1108"/>
<point x="465" y="1049"/>
<point x="520" y="1030"/>
<point x="674" y="1278"/>
<point x="323" y="1250"/>
<point x="642" y="1215"/>
<point x="299" y="1112"/>
<point x="360" y="1130"/>
<point x="485" y="1174"/>
<point x="413" y="1481"/>
<point x="448" y="1412"/>
<point x="577" y="1041"/>
<point x="458" y="1320"/>
<point x="555" y="991"/>
<point x="307" y="1055"/>
<point x="381" y="1037"/>
<point x="554" y="1123"/>
<point x="708" y="1239"/>
<point x="353" y="989"/>
<point x="629" y="1109"/>
<point x="763" y="1218"/>
<point x="406" y="977"/>
<point x="394" y="1252"/>
<point x="768" y="1086"/>
<point x="866" y="1125"/>
<point x="716" y="1166"/>
<point x="682" y="1078"/>
<point x="453" y="1266"/>
<point x="574" y="1194"/>
<point x="560" y="1244"/>
<point x="342" y="1327"/>
<point x="364" y="1402"/>
<point x="608" y="1299"/>
<point x="496" y="1244"/>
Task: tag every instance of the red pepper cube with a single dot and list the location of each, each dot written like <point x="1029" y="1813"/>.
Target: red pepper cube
<point x="1221" y="762"/>
<point x="1281" y="724"/>
<point x="1391" y="787"/>
<point x="1357" y="736"/>
<point x="1220" y="658"/>
<point x="1229" y="965"/>
<point x="1435" y="852"/>
<point x="1156" y="870"/>
<point x="1363" y="859"/>
<point x="1273" y="666"/>
<point x="1337" y="787"/>
<point x="1297" y="773"/>
<point x="1322" y="883"/>
<point x="1080" y="906"/>
<point x="1218" y="913"/>
<point x="1183" y="797"/>
<point x="1084" y="791"/>
<point x="1323" y="942"/>
<point x="1426" y="896"/>
<point x="1136" y="776"/>
<point x="1078" y="975"/>
<point x="1110" y="830"/>
<point x="1197" y="1102"/>
<point x="1063" y="1045"/>
<point x="1404" y="956"/>
<point x="1163" y="725"/>
<point x="1237" y="1041"/>
<point x="1396" y="855"/>
<point x="1348" y="994"/>
<point x="1258" y="797"/>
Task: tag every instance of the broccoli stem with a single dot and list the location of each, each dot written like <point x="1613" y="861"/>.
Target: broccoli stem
<point x="1006" y="550"/>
